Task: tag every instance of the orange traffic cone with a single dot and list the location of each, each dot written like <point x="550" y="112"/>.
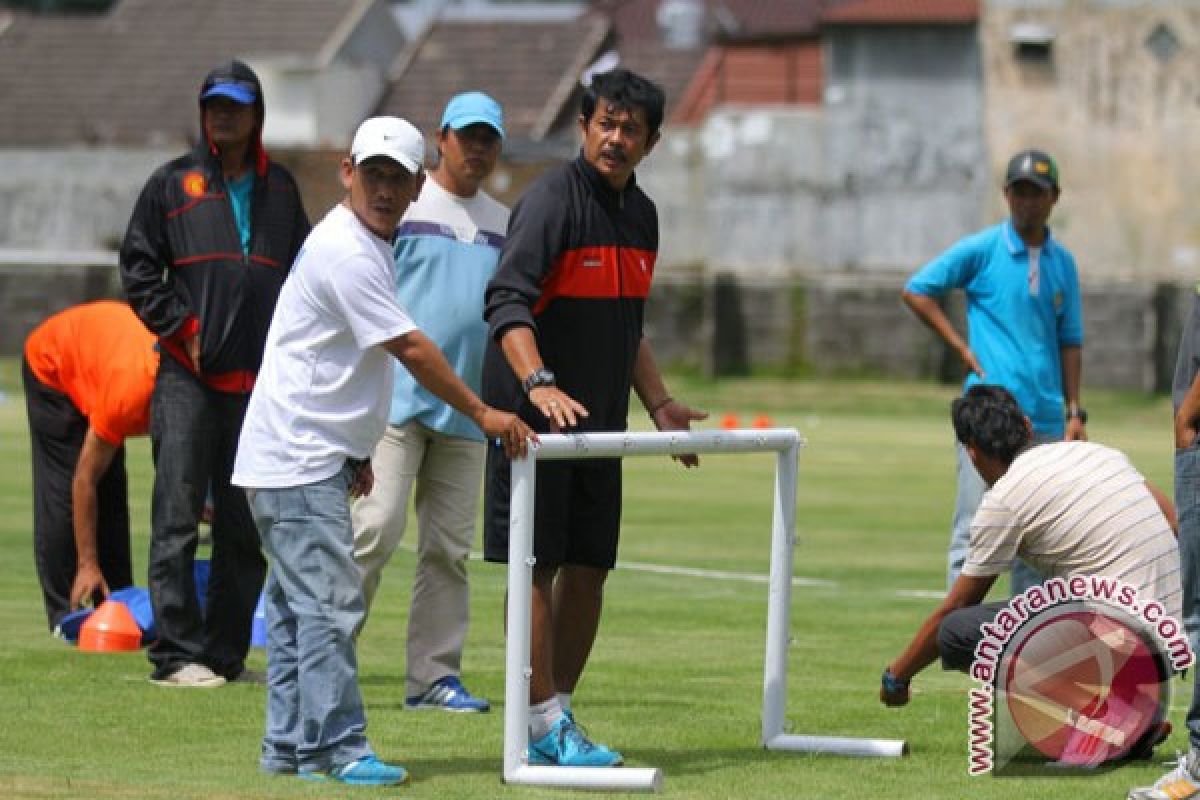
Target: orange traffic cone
<point x="110" y="628"/>
<point x="762" y="421"/>
<point x="730" y="422"/>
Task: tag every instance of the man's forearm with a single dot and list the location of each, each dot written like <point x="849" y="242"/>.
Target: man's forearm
<point x="647" y="378"/>
<point x="1189" y="409"/>
<point x="95" y="457"/>
<point x="520" y="349"/>
<point x="928" y="311"/>
<point x="967" y="590"/>
<point x="922" y="650"/>
<point x="1072" y="374"/>
<point x="421" y="357"/>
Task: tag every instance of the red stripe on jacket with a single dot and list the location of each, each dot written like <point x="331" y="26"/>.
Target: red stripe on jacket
<point x="606" y="272"/>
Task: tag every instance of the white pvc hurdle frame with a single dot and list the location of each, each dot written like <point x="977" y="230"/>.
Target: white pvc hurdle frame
<point x="786" y="442"/>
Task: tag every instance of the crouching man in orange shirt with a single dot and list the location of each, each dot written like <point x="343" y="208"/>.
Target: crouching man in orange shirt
<point x="88" y="374"/>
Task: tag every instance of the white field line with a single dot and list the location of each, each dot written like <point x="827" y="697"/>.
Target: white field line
<point x="719" y="575"/>
<point x="741" y="577"/>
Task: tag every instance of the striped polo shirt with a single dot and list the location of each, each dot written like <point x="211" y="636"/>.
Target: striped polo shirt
<point x="1077" y="508"/>
<point x="446" y="251"/>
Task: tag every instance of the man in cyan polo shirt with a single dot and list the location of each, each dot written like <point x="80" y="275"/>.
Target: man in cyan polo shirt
<point x="446" y="251"/>
<point x="1024" y="325"/>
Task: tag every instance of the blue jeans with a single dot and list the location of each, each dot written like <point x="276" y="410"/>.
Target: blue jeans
<point x="970" y="493"/>
<point x="194" y="433"/>
<point x="1187" y="506"/>
<point x="314" y="603"/>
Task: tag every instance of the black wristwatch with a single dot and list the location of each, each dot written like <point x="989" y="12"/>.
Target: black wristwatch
<point x="892" y="684"/>
<point x="1078" y="412"/>
<point x="539" y="377"/>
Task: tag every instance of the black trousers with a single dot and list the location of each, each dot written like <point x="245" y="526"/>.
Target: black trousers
<point x="56" y="433"/>
<point x="194" y="432"/>
<point x="960" y="632"/>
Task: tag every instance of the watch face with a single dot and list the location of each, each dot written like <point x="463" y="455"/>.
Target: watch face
<point x="539" y="377"/>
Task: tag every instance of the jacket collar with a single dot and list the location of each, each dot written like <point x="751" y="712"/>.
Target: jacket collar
<point x="608" y="195"/>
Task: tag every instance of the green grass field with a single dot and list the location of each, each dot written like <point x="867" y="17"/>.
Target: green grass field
<point x="676" y="677"/>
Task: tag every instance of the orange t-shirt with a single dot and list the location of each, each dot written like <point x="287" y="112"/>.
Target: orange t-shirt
<point x="102" y="357"/>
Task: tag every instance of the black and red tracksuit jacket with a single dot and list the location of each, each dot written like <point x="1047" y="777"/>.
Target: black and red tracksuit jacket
<point x="576" y="267"/>
<point x="183" y="269"/>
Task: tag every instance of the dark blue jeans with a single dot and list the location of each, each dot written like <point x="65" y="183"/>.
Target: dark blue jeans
<point x="1187" y="506"/>
<point x="194" y="430"/>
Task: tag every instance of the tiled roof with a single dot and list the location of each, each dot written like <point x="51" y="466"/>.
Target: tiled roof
<point x="531" y="68"/>
<point x="673" y="70"/>
<point x="726" y="19"/>
<point x="130" y="76"/>
<point x="762" y="73"/>
<point x="902" y="12"/>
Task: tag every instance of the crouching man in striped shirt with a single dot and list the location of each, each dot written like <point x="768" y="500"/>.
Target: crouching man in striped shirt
<point x="1067" y="508"/>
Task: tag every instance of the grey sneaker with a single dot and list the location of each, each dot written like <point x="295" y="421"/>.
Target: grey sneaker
<point x="191" y="676"/>
<point x="1180" y="783"/>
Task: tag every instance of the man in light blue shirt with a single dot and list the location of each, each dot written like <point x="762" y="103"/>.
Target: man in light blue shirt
<point x="1024" y="325"/>
<point x="446" y="251"/>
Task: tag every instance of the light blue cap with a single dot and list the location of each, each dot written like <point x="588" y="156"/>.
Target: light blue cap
<point x="470" y="108"/>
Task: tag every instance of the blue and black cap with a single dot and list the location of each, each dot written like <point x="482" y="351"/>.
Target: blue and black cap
<point x="233" y="80"/>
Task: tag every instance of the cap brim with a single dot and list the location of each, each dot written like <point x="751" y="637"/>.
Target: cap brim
<point x="400" y="158"/>
<point x="238" y="94"/>
<point x="460" y="122"/>
<point x="1036" y="180"/>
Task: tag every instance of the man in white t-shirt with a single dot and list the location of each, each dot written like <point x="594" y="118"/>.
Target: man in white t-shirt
<point x="446" y="251"/>
<point x="317" y="411"/>
<point x="1067" y="508"/>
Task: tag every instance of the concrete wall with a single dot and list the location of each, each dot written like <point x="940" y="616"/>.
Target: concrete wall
<point x="906" y="155"/>
<point x="34" y="285"/>
<point x="890" y="172"/>
<point x="1123" y="123"/>
<point x="835" y="325"/>
<point x="725" y="325"/>
<point x="81" y="199"/>
<point x="71" y="199"/>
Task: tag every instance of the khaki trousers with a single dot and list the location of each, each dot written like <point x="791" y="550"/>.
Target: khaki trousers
<point x="447" y="472"/>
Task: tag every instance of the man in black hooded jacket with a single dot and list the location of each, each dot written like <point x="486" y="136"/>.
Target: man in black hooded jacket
<point x="211" y="239"/>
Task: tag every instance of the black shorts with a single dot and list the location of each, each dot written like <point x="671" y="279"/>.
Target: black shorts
<point x="577" y="511"/>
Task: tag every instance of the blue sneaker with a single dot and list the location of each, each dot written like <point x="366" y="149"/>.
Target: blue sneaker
<point x="447" y="694"/>
<point x="566" y="745"/>
<point x="365" y="771"/>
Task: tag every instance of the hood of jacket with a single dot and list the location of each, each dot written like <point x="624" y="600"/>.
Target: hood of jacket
<point x="237" y="72"/>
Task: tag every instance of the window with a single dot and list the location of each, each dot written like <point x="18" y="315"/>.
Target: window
<point x="1162" y="43"/>
<point x="1033" y="43"/>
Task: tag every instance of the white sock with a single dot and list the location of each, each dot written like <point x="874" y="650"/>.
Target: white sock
<point x="564" y="700"/>
<point x="542" y="717"/>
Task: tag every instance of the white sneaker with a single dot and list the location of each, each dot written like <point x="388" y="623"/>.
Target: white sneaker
<point x="191" y="676"/>
<point x="1178" y="784"/>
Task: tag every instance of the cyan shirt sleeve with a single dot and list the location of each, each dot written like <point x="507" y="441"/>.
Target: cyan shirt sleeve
<point x="951" y="270"/>
<point x="1070" y="322"/>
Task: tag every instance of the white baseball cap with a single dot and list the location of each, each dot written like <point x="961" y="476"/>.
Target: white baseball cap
<point x="391" y="137"/>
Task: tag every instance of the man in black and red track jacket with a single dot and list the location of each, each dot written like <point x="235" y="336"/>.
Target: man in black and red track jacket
<point x="565" y="313"/>
<point x="210" y="242"/>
